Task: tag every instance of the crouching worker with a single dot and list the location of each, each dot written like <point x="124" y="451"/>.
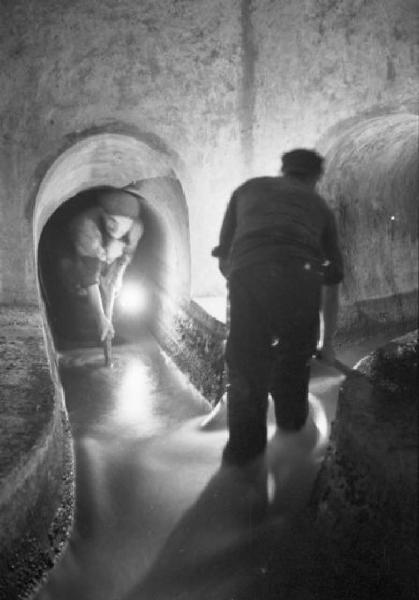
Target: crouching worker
<point x="276" y="237"/>
<point x="100" y="244"/>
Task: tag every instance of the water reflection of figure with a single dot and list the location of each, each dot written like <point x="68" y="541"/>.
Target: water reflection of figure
<point x="276" y="236"/>
<point x="98" y="246"/>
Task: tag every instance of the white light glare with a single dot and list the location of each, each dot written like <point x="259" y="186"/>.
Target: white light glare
<point x="133" y="298"/>
<point x="320" y="420"/>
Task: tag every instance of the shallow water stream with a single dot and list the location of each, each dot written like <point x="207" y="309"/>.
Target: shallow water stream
<point x="157" y="516"/>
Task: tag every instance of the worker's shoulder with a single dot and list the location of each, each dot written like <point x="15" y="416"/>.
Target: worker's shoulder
<point x="300" y="189"/>
<point x="256" y="183"/>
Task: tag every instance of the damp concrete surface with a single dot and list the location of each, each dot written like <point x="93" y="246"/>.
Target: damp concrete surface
<point x="157" y="515"/>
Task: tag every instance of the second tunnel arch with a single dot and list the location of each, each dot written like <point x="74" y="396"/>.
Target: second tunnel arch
<point x="371" y="181"/>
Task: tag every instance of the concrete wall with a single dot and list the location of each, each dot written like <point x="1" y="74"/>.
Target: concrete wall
<point x="371" y="181"/>
<point x="167" y="70"/>
<point x="364" y="501"/>
<point x="37" y="493"/>
<point x="219" y="88"/>
<point x="319" y="62"/>
<point x="100" y="92"/>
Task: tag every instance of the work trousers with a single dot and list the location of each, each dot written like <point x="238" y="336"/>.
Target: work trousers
<point x="73" y="314"/>
<point x="274" y="323"/>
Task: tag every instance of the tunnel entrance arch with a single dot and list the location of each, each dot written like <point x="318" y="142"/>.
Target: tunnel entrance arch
<point x="189" y="335"/>
<point x="371" y="181"/>
<point x="115" y="160"/>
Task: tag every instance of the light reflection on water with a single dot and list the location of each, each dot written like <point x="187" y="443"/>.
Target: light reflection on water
<point x="134" y="406"/>
<point x="156" y="512"/>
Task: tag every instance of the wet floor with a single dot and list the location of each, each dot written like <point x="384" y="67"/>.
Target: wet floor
<point x="157" y="516"/>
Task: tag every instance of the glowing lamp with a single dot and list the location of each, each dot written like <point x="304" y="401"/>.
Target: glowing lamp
<point x="133" y="298"/>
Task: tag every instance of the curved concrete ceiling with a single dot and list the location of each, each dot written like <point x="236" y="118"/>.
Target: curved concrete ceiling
<point x="372" y="180"/>
<point x="101" y="159"/>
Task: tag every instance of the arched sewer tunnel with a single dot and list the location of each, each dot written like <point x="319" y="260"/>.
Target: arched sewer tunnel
<point x="127" y="477"/>
<point x="162" y="258"/>
<point x="371" y="181"/>
<point x="160" y="265"/>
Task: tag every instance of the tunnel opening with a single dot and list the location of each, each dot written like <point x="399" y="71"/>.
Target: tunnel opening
<point x="112" y="161"/>
<point x="185" y="332"/>
<point x="371" y="181"/>
<point x="158" y="267"/>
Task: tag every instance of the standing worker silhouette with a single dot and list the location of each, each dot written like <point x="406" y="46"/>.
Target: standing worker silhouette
<point x="279" y="249"/>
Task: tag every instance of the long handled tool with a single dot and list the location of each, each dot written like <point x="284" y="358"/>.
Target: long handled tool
<point x="110" y="284"/>
<point x="107" y="343"/>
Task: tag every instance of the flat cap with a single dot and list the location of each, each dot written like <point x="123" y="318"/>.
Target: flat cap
<point x="120" y="202"/>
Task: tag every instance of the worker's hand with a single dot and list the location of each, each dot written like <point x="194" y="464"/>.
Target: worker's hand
<point x="106" y="329"/>
<point x="224" y="266"/>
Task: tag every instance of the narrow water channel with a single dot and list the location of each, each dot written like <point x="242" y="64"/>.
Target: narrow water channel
<point x="157" y="516"/>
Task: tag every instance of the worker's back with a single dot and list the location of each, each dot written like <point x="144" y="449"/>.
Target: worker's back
<point x="278" y="217"/>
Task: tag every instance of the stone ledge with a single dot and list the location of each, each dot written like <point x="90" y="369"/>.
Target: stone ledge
<point x="194" y="340"/>
<point x="365" y="497"/>
<point x="36" y="456"/>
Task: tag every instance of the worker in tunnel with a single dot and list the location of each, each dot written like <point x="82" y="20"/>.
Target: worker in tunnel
<point x="96" y="248"/>
<point x="279" y="250"/>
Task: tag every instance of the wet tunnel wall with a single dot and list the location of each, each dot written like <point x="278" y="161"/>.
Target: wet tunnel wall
<point x="203" y="95"/>
<point x="371" y="181"/>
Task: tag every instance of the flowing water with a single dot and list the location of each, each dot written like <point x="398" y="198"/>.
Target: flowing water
<point x="157" y="516"/>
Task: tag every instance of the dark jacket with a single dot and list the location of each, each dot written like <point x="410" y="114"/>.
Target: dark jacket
<point x="275" y="219"/>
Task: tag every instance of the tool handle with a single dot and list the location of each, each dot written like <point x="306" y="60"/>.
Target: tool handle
<point x="107" y="350"/>
<point x="109" y="299"/>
